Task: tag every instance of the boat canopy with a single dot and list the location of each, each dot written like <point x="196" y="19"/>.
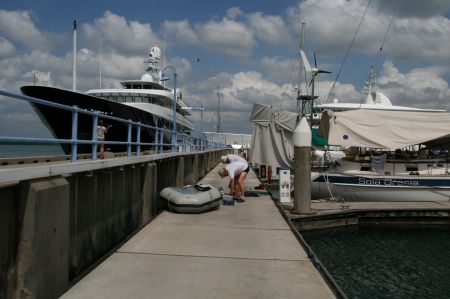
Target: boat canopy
<point x="385" y="129"/>
<point x="272" y="136"/>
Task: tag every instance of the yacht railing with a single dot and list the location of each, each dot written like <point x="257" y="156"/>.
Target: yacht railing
<point x="186" y="144"/>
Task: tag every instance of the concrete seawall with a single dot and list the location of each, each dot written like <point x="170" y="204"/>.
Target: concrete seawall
<point x="54" y="228"/>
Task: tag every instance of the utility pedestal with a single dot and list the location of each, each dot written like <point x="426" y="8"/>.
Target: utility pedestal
<point x="302" y="167"/>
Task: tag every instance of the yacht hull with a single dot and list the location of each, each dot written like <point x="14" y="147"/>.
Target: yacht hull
<point x="59" y="121"/>
<point x="381" y="188"/>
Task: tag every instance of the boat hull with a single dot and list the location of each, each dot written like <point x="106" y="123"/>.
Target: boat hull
<point x="59" y="121"/>
<point x="191" y="200"/>
<point x="379" y="188"/>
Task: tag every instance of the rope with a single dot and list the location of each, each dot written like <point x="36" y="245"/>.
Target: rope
<point x="385" y="37"/>
<point x="332" y="197"/>
<point x="348" y="51"/>
<point x="291" y="75"/>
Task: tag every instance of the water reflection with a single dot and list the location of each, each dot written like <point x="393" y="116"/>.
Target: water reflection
<point x="386" y="261"/>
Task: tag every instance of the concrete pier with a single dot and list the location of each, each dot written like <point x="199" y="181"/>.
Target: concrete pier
<point x="59" y="219"/>
<point x="241" y="251"/>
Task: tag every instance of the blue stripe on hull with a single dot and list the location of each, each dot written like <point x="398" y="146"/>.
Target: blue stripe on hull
<point x="415" y="181"/>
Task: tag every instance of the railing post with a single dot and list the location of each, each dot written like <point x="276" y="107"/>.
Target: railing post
<point x="73" y="152"/>
<point x="174" y="141"/>
<point x="129" y="139"/>
<point x="138" y="140"/>
<point x="192" y="145"/>
<point x="184" y="142"/>
<point x="94" y="136"/>
<point x="161" y="141"/>
<point x="155" y="147"/>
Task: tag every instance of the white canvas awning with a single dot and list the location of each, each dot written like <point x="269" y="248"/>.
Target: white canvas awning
<point x="384" y="129"/>
<point x="272" y="136"/>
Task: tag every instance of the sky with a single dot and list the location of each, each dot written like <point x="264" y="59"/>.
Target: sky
<point x="249" y="49"/>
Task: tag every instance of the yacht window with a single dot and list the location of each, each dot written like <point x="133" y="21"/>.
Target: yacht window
<point x="138" y="99"/>
<point x="412" y="168"/>
<point x="120" y="99"/>
<point x="128" y="99"/>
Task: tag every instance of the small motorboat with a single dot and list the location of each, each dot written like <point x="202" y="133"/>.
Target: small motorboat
<point x="192" y="198"/>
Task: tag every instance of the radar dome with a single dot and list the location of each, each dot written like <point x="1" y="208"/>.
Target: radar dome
<point x="383" y="99"/>
<point x="147" y="77"/>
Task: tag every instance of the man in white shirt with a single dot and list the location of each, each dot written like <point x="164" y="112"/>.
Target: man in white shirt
<point x="237" y="171"/>
<point x="230" y="158"/>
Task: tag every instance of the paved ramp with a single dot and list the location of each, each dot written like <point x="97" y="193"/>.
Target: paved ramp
<point x="241" y="251"/>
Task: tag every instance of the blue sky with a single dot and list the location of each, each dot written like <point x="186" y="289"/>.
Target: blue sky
<point x="249" y="48"/>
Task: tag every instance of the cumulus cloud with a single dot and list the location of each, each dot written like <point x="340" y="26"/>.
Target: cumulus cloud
<point x="415" y="38"/>
<point x="267" y="80"/>
<point x="409" y="37"/>
<point x="413" y="8"/>
<point x="7" y="49"/>
<point x="182" y="66"/>
<point x="238" y="93"/>
<point x="227" y="36"/>
<point x="119" y="35"/>
<point x="39" y="78"/>
<point x="421" y="87"/>
<point x="234" y="12"/>
<point x="280" y="69"/>
<point x="270" y="29"/>
<point x="179" y="32"/>
<point x="19" y="27"/>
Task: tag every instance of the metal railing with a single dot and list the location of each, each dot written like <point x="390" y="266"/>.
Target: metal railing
<point x="186" y="144"/>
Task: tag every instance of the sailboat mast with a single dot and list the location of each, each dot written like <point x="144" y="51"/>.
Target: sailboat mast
<point x="300" y="69"/>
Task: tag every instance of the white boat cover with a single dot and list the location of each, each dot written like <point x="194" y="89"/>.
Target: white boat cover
<point x="272" y="136"/>
<point x="384" y="129"/>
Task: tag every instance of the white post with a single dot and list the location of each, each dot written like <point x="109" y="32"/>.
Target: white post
<point x="302" y="167"/>
<point x="74" y="74"/>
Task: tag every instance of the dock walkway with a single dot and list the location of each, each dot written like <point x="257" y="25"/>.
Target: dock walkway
<point x="241" y="251"/>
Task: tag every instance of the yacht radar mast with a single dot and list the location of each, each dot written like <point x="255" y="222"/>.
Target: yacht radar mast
<point x="153" y="68"/>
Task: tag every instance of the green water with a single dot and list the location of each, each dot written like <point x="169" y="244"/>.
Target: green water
<point x="386" y="261"/>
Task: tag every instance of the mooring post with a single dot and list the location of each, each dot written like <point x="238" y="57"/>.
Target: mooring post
<point x="302" y="167"/>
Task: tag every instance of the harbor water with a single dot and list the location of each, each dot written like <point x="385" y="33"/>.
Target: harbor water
<point x="386" y="261"/>
<point x="14" y="150"/>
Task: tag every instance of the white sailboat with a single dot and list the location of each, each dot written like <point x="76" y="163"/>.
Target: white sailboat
<point x="387" y="174"/>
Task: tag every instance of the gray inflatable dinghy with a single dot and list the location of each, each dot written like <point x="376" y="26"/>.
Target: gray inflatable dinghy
<point x="191" y="199"/>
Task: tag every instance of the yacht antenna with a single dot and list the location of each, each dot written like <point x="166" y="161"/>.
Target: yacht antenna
<point x="100" y="61"/>
<point x="164" y="63"/>
<point x="74" y="73"/>
<point x="219" y="129"/>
